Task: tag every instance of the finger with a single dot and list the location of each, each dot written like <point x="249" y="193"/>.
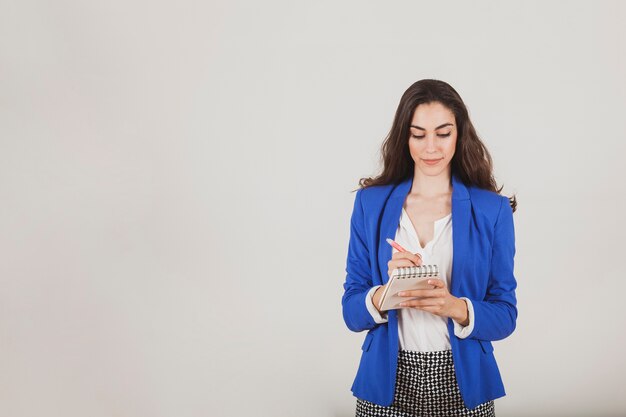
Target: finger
<point x="432" y="309"/>
<point x="423" y="303"/>
<point x="436" y="293"/>
<point x="413" y="257"/>
<point x="391" y="265"/>
<point x="437" y="283"/>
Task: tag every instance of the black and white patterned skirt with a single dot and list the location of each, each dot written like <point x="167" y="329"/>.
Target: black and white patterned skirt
<point x="425" y="386"/>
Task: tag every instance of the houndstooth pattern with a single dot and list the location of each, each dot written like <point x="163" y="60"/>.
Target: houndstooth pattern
<point x="425" y="386"/>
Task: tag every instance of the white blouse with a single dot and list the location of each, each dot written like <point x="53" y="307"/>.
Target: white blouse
<point x="420" y="330"/>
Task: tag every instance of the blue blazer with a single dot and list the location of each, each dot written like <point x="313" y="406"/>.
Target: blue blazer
<point x="483" y="241"/>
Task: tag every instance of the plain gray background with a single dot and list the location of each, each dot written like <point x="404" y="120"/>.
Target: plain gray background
<point x="175" y="187"/>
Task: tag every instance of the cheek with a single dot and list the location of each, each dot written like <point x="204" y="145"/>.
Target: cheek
<point x="451" y="147"/>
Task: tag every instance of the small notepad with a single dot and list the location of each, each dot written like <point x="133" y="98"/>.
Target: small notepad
<point x="406" y="278"/>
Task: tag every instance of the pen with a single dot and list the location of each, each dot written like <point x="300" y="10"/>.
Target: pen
<point x="395" y="245"/>
<point x="398" y="247"/>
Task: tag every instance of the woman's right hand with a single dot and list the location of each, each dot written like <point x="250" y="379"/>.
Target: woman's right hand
<point x="398" y="259"/>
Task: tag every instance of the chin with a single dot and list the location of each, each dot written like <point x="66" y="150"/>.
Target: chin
<point x="434" y="171"/>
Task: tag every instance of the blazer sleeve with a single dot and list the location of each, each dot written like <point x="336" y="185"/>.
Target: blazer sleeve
<point x="358" y="280"/>
<point x="496" y="314"/>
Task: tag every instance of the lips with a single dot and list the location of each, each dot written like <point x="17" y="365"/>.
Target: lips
<point x="431" y="161"/>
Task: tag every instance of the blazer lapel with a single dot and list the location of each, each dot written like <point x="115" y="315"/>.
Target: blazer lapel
<point x="389" y="224"/>
<point x="461" y="213"/>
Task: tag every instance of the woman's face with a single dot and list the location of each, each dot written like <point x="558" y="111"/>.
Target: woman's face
<point x="433" y="138"/>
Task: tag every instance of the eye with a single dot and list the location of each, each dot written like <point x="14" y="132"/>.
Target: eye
<point x="441" y="136"/>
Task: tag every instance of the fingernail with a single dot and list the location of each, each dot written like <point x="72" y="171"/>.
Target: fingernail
<point x="402" y="304"/>
<point x="401" y="293"/>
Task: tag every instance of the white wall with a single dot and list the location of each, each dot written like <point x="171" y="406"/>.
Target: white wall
<point x="168" y="170"/>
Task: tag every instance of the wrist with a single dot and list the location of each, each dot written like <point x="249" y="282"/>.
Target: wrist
<point x="462" y="313"/>
<point x="376" y="299"/>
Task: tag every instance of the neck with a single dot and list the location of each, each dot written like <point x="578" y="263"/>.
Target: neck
<point x="431" y="186"/>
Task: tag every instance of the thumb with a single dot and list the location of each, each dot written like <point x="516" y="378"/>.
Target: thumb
<point x="436" y="282"/>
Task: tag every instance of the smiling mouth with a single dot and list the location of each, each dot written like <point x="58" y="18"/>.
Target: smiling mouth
<point x="432" y="162"/>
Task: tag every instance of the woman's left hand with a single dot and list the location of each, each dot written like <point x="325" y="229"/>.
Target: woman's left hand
<point x="437" y="301"/>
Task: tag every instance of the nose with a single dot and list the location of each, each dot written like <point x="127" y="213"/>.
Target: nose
<point x="430" y="144"/>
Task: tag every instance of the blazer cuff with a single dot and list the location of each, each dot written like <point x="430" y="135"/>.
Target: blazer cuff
<point x="463" y="331"/>
<point x="376" y="315"/>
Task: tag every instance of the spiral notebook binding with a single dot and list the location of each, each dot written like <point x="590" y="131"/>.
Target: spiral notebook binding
<point x="418" y="271"/>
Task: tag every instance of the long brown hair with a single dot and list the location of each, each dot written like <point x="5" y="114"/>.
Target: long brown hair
<point x="471" y="161"/>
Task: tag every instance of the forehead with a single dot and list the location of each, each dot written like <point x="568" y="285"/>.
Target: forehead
<point x="431" y="115"/>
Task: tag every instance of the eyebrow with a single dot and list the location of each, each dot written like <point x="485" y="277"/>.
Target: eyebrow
<point x="438" y="127"/>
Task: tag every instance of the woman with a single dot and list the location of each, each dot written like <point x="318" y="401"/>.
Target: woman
<point x="437" y="198"/>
